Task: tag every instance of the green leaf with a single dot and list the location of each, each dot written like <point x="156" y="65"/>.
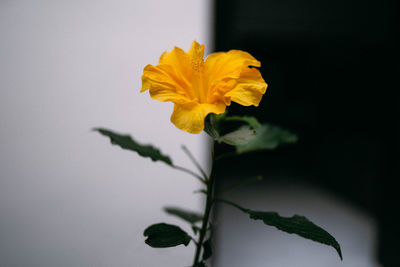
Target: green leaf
<point x="195" y="229"/>
<point x="164" y="235"/>
<point x="299" y="225"/>
<point x="207" y="249"/>
<point x="200" y="264"/>
<point x="251" y="121"/>
<point x="203" y="191"/>
<point x="189" y="216"/>
<point x="296" y="224"/>
<point x="241" y="136"/>
<point x="267" y="137"/>
<point x="255" y="136"/>
<point x="126" y="142"/>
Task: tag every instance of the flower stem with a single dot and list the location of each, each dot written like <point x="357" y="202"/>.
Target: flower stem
<point x="189" y="172"/>
<point x="240" y="183"/>
<point x="189" y="154"/>
<point x="206" y="216"/>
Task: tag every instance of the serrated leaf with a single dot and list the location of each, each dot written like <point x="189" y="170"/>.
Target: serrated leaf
<point x="239" y="137"/>
<point x="267" y="137"/>
<point x="207" y="249"/>
<point x="296" y="224"/>
<point x="189" y="216"/>
<point x="299" y="225"/>
<point x="164" y="235"/>
<point x="126" y="142"/>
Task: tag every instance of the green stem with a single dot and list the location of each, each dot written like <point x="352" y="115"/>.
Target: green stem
<point x="240" y="183"/>
<point x="189" y="154"/>
<point x="189" y="172"/>
<point x="226" y="155"/>
<point x="232" y="204"/>
<point x="206" y="216"/>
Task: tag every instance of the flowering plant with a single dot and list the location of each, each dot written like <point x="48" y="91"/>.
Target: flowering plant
<point x="201" y="90"/>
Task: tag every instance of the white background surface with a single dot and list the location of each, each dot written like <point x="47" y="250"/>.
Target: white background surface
<point x="67" y="197"/>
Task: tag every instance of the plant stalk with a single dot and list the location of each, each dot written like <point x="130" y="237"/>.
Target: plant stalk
<point x="206" y="216"/>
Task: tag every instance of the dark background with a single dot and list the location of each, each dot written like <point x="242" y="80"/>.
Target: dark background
<point x="332" y="70"/>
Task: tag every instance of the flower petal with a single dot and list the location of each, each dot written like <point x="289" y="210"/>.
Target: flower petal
<point x="162" y="86"/>
<point x="231" y="76"/>
<point x="179" y="60"/>
<point x="249" y="89"/>
<point x="171" y="79"/>
<point x="190" y="117"/>
<point x="228" y="65"/>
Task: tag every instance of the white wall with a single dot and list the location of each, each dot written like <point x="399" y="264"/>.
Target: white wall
<point x="67" y="197"/>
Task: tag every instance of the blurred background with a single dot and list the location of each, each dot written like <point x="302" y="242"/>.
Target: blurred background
<point x="68" y="198"/>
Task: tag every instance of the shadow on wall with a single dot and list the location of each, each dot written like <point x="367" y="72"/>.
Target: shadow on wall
<point x="331" y="68"/>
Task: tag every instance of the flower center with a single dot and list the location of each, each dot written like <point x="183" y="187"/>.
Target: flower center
<point x="198" y="80"/>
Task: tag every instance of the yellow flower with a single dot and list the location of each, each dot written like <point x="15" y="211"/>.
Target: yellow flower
<point x="198" y="87"/>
